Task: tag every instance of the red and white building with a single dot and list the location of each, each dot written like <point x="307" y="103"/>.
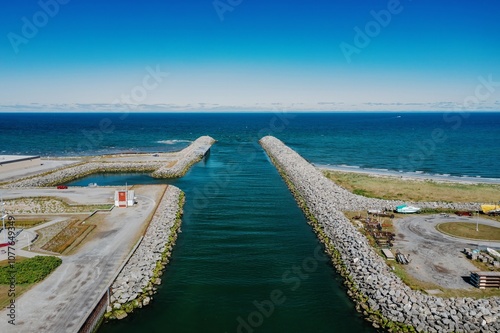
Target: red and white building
<point x="124" y="198"/>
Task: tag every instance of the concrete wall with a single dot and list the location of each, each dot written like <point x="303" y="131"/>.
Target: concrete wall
<point x="19" y="164"/>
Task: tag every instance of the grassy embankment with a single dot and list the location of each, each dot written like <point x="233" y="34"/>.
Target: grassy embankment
<point x="393" y="188"/>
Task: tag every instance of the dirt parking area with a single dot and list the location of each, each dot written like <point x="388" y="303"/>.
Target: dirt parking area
<point x="435" y="257"/>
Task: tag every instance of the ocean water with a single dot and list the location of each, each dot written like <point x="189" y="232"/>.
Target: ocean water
<point x="456" y="144"/>
<point x="246" y="260"/>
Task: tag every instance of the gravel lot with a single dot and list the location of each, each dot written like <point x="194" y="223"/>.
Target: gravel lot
<point x="436" y="257"/>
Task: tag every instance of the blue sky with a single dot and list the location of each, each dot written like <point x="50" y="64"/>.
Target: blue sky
<point x="250" y="55"/>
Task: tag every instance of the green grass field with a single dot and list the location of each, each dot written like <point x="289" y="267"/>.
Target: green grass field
<point x="468" y="230"/>
<point x="28" y="222"/>
<point x="393" y="188"/>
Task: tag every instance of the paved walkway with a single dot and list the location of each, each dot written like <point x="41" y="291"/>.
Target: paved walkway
<point x="59" y="303"/>
<point x="45" y="165"/>
<point x="22" y="241"/>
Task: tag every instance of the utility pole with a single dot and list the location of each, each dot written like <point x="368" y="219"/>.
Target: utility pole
<point x="3" y="221"/>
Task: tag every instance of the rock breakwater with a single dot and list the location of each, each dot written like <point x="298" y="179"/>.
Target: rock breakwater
<point x="190" y="155"/>
<point x="135" y="284"/>
<point x="158" y="168"/>
<point x="379" y="294"/>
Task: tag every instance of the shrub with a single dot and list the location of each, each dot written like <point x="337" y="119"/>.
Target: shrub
<point x="31" y="270"/>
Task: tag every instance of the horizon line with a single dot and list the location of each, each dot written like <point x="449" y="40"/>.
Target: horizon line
<point x="249" y="111"/>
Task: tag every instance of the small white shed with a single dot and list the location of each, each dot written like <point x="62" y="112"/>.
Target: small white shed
<point x="124" y="198"/>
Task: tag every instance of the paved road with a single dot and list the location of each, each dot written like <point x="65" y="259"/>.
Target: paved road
<point x="81" y="195"/>
<point x="59" y="303"/>
<point x="45" y="165"/>
<point x="436" y="257"/>
<point x="22" y="241"/>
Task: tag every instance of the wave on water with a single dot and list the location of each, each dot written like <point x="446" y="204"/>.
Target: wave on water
<point x="172" y="142"/>
<point x="349" y="166"/>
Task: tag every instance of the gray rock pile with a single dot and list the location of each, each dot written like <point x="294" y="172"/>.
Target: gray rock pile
<point x="380" y="295"/>
<point x="74" y="172"/>
<point x="347" y="201"/>
<point x="188" y="157"/>
<point x="134" y="285"/>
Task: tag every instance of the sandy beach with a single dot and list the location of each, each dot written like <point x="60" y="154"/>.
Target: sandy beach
<point x="417" y="176"/>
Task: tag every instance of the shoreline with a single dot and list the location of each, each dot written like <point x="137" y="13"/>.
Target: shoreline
<point x="164" y="165"/>
<point x="135" y="284"/>
<point x="383" y="298"/>
<point x="412" y="176"/>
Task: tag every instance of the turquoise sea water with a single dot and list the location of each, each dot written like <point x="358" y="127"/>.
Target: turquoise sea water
<point x="244" y="244"/>
<point x="458" y="144"/>
<point x="244" y="241"/>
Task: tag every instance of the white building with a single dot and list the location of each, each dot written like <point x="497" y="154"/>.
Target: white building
<point x="124" y="198"/>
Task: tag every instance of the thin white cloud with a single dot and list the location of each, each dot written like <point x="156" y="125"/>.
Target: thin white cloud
<point x="212" y="107"/>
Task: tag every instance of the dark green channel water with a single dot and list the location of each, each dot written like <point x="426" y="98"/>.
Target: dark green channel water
<point x="246" y="260"/>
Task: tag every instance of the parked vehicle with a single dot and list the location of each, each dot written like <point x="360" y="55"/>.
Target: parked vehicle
<point x="487" y="209"/>
<point x="463" y="213"/>
<point x="62" y="187"/>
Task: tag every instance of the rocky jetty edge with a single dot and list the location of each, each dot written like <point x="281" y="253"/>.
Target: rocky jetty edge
<point x="135" y="284"/>
<point x="382" y="297"/>
<point x="158" y="169"/>
<point x="192" y="154"/>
